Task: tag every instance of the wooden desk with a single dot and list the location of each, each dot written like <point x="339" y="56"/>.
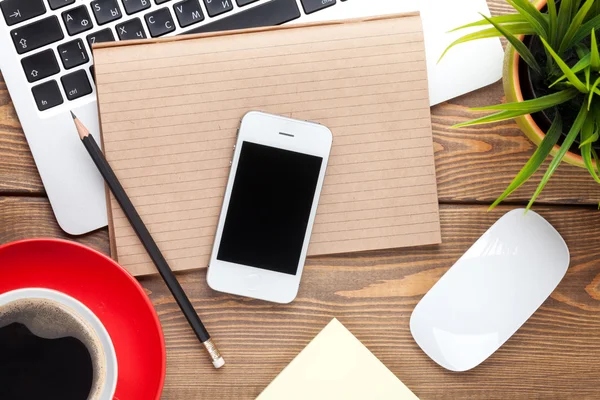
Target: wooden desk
<point x="556" y="354"/>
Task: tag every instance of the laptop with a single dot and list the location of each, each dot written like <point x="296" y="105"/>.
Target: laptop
<point x="46" y="61"/>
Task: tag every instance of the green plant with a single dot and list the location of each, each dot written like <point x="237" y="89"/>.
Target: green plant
<point x="570" y="69"/>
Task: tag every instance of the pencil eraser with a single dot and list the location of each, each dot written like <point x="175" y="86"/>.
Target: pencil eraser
<point x="219" y="362"/>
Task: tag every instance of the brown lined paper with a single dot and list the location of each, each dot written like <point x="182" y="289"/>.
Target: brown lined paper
<point x="169" y="112"/>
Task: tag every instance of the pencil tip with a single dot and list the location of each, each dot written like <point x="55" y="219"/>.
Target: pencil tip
<point x="81" y="130"/>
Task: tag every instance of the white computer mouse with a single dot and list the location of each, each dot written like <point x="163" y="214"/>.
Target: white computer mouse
<point x="490" y="291"/>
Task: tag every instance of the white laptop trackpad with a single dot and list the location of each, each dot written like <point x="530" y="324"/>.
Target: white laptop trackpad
<point x="490" y="291"/>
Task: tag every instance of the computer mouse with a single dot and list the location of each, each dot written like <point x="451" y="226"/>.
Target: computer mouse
<point x="491" y="291"/>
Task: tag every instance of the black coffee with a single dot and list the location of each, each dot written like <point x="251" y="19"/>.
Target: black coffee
<point x="34" y="368"/>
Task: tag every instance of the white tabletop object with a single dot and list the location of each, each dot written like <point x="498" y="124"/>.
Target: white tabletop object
<point x="490" y="291"/>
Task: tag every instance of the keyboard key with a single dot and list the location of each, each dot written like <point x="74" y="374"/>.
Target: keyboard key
<point x="217" y="7"/>
<point x="77" y="20"/>
<point x="242" y="3"/>
<point x="161" y="1"/>
<point x="47" y="95"/>
<point x="40" y="65"/>
<point x="310" y="6"/>
<point x="106" y="11"/>
<point x="37" y="34"/>
<point x="274" y="12"/>
<point x="93" y="73"/>
<point x="73" y="53"/>
<point x="188" y="12"/>
<point x="131" y="29"/>
<point x="54" y="4"/>
<point x="133" y="6"/>
<point x="76" y="84"/>
<point x="160" y="22"/>
<point x="16" y="11"/>
<point x="105" y="35"/>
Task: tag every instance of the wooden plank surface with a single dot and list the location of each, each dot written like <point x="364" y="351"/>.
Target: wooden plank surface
<point x="554" y="356"/>
<point x="31" y="217"/>
<point x="18" y="174"/>
<point x="473" y="164"/>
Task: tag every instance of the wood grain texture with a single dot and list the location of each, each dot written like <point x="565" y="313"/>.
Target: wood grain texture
<point x="32" y="217"/>
<point x="555" y="355"/>
<point x="473" y="164"/>
<point x="18" y="173"/>
<point x="476" y="164"/>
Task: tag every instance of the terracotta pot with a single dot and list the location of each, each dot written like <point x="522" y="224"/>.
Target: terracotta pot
<point x="512" y="90"/>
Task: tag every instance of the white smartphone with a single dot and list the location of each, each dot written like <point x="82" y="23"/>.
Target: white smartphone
<point x="270" y="203"/>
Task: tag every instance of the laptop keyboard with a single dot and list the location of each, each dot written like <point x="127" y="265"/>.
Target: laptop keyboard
<point x="74" y="27"/>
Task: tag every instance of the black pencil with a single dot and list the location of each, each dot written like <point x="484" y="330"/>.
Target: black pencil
<point x="142" y="232"/>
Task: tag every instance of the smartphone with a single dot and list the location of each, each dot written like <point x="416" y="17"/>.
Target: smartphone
<point x="269" y="208"/>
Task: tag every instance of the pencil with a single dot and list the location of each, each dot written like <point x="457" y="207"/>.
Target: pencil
<point x="149" y="244"/>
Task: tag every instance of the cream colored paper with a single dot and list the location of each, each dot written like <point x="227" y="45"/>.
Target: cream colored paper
<point x="169" y="112"/>
<point x="336" y="365"/>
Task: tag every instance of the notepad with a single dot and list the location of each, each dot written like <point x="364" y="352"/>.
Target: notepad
<point x="169" y="111"/>
<point x="336" y="365"/>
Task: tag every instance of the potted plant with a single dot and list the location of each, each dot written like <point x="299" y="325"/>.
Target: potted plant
<point x="551" y="81"/>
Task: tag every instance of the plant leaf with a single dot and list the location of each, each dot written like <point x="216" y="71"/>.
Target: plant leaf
<point x="587" y="132"/>
<point x="523" y="28"/>
<point x="534" y="105"/>
<point x="592" y="90"/>
<point x="581" y="50"/>
<point x="519" y="46"/>
<point x="586" y="155"/>
<point x="536" y="160"/>
<point x="512" y="110"/>
<point x="532" y="15"/>
<point x="594" y="11"/>
<point x="587" y="78"/>
<point x="594" y="56"/>
<point x="596" y="128"/>
<point x="563" y="18"/>
<point x="580" y="66"/>
<point x="500" y="19"/>
<point x="552" y="23"/>
<point x="596" y="160"/>
<point x="500" y="116"/>
<point x="567" y="40"/>
<point x="585" y="29"/>
<point x="566" y="145"/>
<point x="565" y="69"/>
<point x="591" y="139"/>
<point x="596" y="132"/>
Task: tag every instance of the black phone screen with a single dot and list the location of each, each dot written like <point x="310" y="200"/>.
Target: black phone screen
<point x="269" y="209"/>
